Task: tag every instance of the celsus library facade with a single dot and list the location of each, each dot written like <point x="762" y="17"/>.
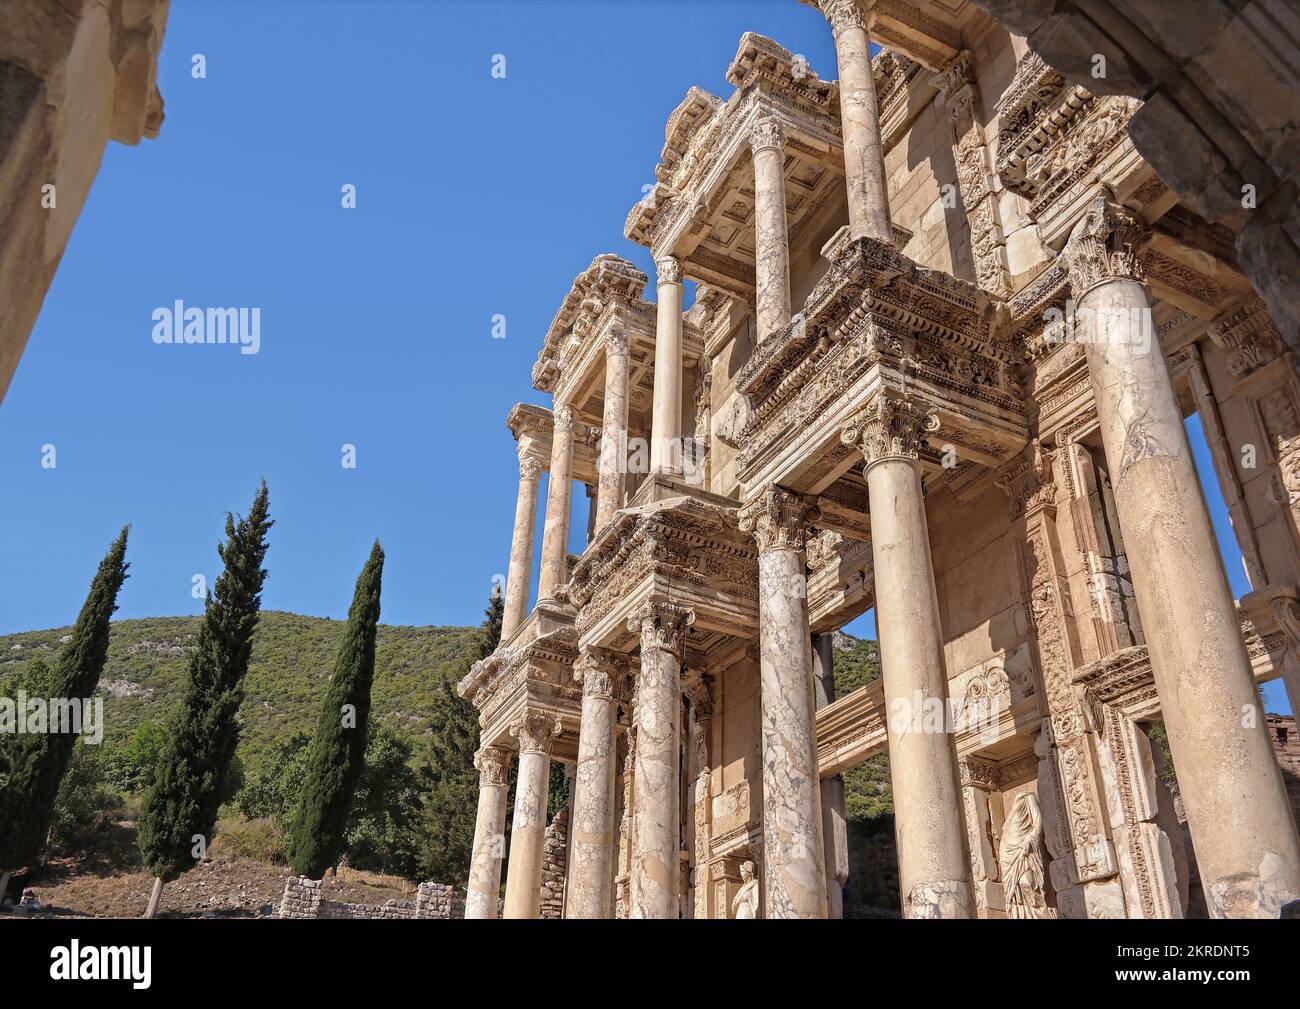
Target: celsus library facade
<point x="948" y="325"/>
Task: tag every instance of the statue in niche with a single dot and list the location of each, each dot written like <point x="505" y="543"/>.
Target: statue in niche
<point x="1020" y="856"/>
<point x="745" y="903"/>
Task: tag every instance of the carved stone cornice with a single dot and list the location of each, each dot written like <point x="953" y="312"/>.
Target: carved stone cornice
<point x="767" y="133"/>
<point x="890" y="428"/>
<point x="779" y="519"/>
<point x="493" y="763"/>
<point x="1105" y="245"/>
<point x="662" y="626"/>
<point x="1249" y="336"/>
<point x="535" y="731"/>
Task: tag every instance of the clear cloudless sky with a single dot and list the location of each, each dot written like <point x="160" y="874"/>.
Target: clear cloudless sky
<point x="476" y="196"/>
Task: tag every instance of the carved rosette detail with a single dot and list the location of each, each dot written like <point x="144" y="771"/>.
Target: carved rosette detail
<point x="668" y="270"/>
<point x="662" y="626"/>
<point x="890" y="429"/>
<point x="535" y="731"/>
<point x="779" y="519"/>
<point x="493" y="763"/>
<point x="767" y="132"/>
<point x="1105" y="245"/>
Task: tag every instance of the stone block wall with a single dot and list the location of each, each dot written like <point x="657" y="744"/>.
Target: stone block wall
<point x="302" y="899"/>
<point x="555" y="850"/>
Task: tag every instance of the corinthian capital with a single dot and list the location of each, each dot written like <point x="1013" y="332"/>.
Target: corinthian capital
<point x="779" y="519"/>
<point x="616" y="342"/>
<point x="668" y="270"/>
<point x="1104" y="245"/>
<point x="767" y="132"/>
<point x="535" y="731"/>
<point x="844" y="14"/>
<point x="530" y="468"/>
<point x="602" y="673"/>
<point x="562" y="418"/>
<point x="890" y="429"/>
<point x="493" y="763"/>
<point x="662" y="626"/>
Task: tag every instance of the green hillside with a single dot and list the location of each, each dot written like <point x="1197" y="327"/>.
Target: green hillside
<point x="868" y="801"/>
<point x="292" y="659"/>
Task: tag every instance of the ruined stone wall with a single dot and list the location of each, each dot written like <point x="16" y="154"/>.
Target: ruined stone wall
<point x="302" y="899"/>
<point x="554" y="863"/>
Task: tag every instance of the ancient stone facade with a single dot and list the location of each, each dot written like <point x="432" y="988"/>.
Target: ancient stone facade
<point x="302" y="899"/>
<point x="948" y="327"/>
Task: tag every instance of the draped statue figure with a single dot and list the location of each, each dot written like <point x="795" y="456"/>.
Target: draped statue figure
<point x="1020" y="856"/>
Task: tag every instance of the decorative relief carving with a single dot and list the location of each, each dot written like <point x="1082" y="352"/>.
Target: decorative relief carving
<point x="890" y="429"/>
<point x="1249" y="336"/>
<point x="1029" y="484"/>
<point x="493" y="763"/>
<point x="779" y="519"/>
<point x="668" y="270"/>
<point x="1104" y="244"/>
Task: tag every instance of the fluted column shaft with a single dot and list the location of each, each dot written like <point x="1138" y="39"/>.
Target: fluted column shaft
<point x="934" y="872"/>
<point x="591" y="827"/>
<point x="535" y="733"/>
<point x="613" y="434"/>
<point x="521" y="548"/>
<point x="493" y="763"/>
<point x="555" y="531"/>
<point x="656" y="816"/>
<point x="1241" y="825"/>
<point x="666" y="412"/>
<point x="771" y="242"/>
<point x="835" y="839"/>
<point x="864" y="162"/>
<point x="793" y="854"/>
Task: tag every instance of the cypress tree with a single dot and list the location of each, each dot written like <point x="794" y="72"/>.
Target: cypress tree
<point x="447" y="770"/>
<point x="338" y="749"/>
<point x="180" y="808"/>
<point x="35" y="764"/>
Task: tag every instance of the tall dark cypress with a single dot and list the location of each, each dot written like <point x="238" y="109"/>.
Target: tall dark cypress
<point x="191" y="781"/>
<point x="37" y="763"/>
<point x="338" y="749"/>
<point x="490" y="632"/>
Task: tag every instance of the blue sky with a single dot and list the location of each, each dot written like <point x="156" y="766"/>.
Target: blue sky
<point x="475" y="196"/>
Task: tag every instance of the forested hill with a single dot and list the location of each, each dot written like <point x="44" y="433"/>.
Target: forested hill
<point x="293" y="657"/>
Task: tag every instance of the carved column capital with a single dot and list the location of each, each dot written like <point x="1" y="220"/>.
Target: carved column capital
<point x="767" y="132"/>
<point x="616" y="342"/>
<point x="662" y="626"/>
<point x="1249" y="335"/>
<point x="493" y="763"/>
<point x="668" y="270"/>
<point x="890" y="429"/>
<point x="844" y="14"/>
<point x="562" y="419"/>
<point x="535" y="730"/>
<point x="779" y="519"/>
<point x="530" y="467"/>
<point x="1104" y="245"/>
<point x="956" y="74"/>
<point x="602" y="673"/>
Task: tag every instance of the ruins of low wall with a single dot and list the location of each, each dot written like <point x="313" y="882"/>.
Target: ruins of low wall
<point x="302" y="899"/>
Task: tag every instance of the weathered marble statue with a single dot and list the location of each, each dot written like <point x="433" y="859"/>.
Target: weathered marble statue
<point x="745" y="903"/>
<point x="1020" y="856"/>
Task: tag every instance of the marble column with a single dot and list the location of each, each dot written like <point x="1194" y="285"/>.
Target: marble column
<point x="864" y="162"/>
<point x="613" y="433"/>
<point x="521" y="547"/>
<point x="794" y="869"/>
<point x="1241" y="825"/>
<point x="591" y="828"/>
<point x="771" y="243"/>
<point x="535" y="732"/>
<point x="666" y="412"/>
<point x="555" y="530"/>
<point x="835" y="834"/>
<point x="493" y="763"/>
<point x="934" y="872"/>
<point x="656" y="776"/>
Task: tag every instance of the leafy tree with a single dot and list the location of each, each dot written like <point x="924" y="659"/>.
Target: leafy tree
<point x="382" y="832"/>
<point x="274" y="788"/>
<point x="86" y="803"/>
<point x="338" y="749"/>
<point x="131" y="766"/>
<point x="448" y="777"/>
<point x="193" y="777"/>
<point x="35" y="764"/>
